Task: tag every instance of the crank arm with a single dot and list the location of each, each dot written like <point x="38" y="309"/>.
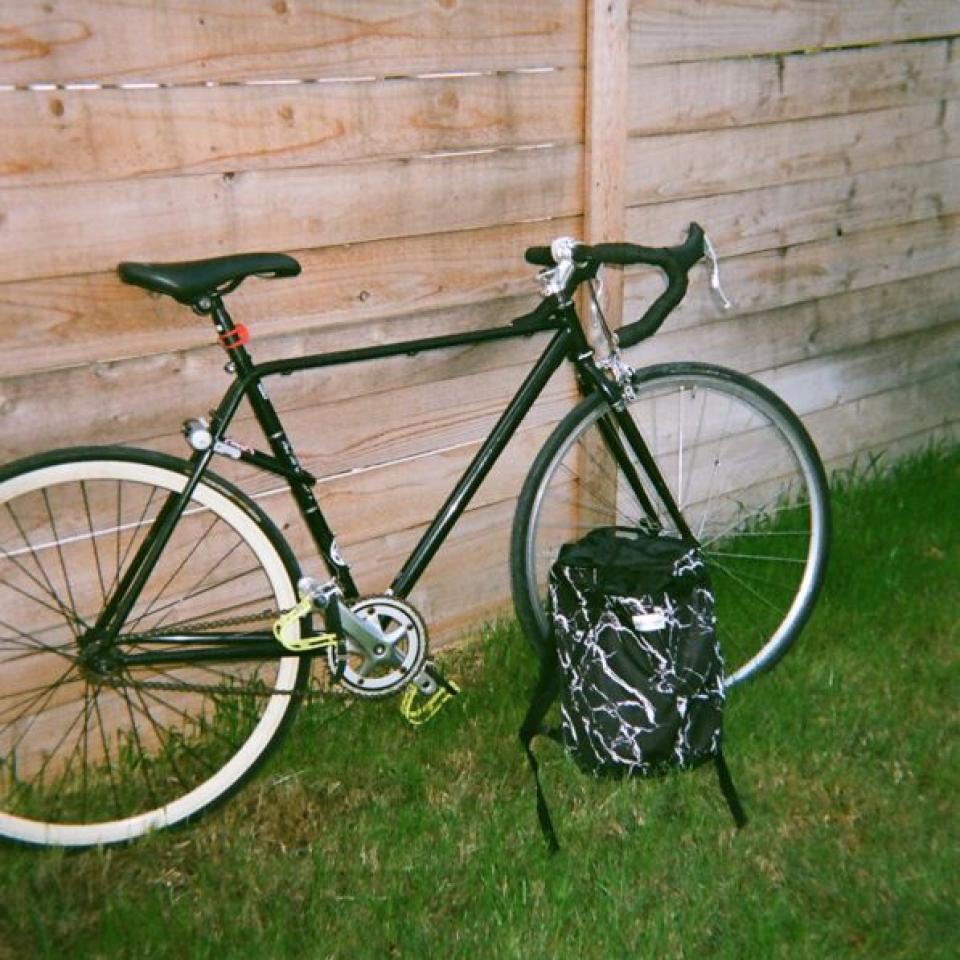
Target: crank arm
<point x="366" y="638"/>
<point x="429" y="680"/>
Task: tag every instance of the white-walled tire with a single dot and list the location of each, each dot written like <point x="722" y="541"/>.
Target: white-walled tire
<point x="86" y="760"/>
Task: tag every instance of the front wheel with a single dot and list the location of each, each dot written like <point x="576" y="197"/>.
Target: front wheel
<point x="744" y="474"/>
<point x="93" y="751"/>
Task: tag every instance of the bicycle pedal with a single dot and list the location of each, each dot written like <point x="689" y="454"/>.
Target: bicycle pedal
<point x="418" y="714"/>
<point x="288" y="636"/>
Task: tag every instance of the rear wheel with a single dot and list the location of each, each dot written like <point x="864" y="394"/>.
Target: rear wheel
<point x="97" y="755"/>
<point x="745" y="475"/>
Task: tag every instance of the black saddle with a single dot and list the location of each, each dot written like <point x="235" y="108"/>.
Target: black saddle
<point x="191" y="280"/>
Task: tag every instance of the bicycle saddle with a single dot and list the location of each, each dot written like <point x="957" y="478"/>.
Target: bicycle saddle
<point x="190" y="280"/>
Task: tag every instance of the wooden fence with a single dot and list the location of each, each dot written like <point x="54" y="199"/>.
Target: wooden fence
<point x="820" y="141"/>
<point x="406" y="152"/>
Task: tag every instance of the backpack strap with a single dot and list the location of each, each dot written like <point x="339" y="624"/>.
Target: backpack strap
<point x="544" y="693"/>
<point x="729" y="791"/>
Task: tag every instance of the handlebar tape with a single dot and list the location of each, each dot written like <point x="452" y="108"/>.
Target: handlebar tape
<point x="675" y="261"/>
<point x="684" y="255"/>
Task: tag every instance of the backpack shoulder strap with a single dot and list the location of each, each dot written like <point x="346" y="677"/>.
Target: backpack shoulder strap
<point x="545" y="692"/>
<point x="729" y="791"/>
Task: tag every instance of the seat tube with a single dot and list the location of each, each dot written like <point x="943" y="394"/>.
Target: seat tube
<point x="233" y="339"/>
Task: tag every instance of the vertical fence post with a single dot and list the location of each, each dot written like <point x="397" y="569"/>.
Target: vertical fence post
<point x="604" y="212"/>
<point x="605" y="135"/>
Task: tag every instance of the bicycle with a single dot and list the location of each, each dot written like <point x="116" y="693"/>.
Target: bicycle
<point x="156" y="632"/>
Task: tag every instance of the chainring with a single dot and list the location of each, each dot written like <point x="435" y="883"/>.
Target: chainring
<point x="404" y="634"/>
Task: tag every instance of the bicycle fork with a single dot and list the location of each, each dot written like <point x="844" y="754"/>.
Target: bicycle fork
<point x="615" y="394"/>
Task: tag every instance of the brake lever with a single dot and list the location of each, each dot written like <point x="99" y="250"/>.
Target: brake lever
<point x="722" y="301"/>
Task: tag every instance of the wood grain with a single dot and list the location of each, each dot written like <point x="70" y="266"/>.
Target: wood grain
<point x="743" y="91"/>
<point x="664" y="30"/>
<point x="174" y="218"/>
<point x="605" y="142"/>
<point x="706" y="163"/>
<point x="190" y="41"/>
<point x="338" y="420"/>
<point x="777" y="278"/>
<point x="75" y="136"/>
<point x="889" y="424"/>
<point x="785" y="215"/>
<point x="355" y="295"/>
<point x="852" y="320"/>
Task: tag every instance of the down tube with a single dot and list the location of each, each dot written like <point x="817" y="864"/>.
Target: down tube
<point x="480" y="466"/>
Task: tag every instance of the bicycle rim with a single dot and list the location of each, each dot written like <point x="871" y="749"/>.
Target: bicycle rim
<point x="745" y="476"/>
<point x="101" y="759"/>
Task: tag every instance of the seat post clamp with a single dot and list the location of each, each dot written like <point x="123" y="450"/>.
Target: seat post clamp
<point x="238" y="336"/>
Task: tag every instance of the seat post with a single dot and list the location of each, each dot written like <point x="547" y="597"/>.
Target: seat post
<point x="233" y="337"/>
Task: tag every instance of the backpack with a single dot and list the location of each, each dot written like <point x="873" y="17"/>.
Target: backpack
<point x="635" y="661"/>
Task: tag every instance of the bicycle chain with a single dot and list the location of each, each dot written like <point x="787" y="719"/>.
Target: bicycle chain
<point x="183" y="686"/>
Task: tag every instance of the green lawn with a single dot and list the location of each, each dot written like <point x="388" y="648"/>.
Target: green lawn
<point x="367" y="838"/>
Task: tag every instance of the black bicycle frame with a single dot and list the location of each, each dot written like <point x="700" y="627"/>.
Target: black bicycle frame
<point x="567" y="342"/>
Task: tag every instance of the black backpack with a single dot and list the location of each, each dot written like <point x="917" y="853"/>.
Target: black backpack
<point x="634" y="659"/>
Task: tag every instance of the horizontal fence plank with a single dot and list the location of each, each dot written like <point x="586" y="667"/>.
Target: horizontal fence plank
<point x="891" y="423"/>
<point x="664" y="30"/>
<point x="169" y="218"/>
<point x="186" y="41"/>
<point x="755" y="342"/>
<point x="410" y="421"/>
<point x="778" y="278"/>
<point x="837" y="378"/>
<point x="712" y="94"/>
<point x="892" y="449"/>
<point x="71" y="136"/>
<point x="785" y="215"/>
<point x="724" y="161"/>
<point x="348" y="296"/>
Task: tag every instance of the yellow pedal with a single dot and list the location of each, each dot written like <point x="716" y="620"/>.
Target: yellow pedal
<point x="420" y="713"/>
<point x="285" y="630"/>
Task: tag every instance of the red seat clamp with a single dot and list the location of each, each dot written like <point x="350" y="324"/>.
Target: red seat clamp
<point x="237" y="337"/>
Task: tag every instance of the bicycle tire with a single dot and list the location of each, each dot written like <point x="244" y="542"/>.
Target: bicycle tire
<point x="751" y="475"/>
<point x="86" y="762"/>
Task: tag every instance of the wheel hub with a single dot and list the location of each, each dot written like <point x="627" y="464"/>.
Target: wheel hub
<point x="98" y="659"/>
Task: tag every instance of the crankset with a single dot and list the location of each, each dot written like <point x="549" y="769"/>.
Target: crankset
<point x="396" y="656"/>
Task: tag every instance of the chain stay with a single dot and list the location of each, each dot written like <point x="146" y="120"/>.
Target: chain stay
<point x="184" y="687"/>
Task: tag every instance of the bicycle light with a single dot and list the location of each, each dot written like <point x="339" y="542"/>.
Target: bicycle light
<point x="198" y="434"/>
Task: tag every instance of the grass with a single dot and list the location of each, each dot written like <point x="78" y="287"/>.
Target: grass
<point x="366" y="838"/>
